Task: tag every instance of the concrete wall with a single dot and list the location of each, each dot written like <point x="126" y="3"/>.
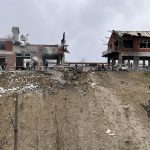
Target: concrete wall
<point x="11" y="61"/>
<point x="36" y="50"/>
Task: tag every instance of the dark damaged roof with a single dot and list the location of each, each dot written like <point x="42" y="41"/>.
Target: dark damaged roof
<point x="132" y="33"/>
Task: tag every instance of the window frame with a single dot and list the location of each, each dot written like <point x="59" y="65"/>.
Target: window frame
<point x="2" y="45"/>
<point x="146" y="42"/>
<point x="129" y="44"/>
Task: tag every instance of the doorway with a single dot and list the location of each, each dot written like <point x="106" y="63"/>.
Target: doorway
<point x="2" y="60"/>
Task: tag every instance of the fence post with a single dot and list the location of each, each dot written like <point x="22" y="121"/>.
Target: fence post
<point x="16" y="123"/>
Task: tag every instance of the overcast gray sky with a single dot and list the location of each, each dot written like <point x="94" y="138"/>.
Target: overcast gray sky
<point x="86" y="22"/>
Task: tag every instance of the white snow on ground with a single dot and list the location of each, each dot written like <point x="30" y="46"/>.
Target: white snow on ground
<point x="27" y="87"/>
<point x="2" y="90"/>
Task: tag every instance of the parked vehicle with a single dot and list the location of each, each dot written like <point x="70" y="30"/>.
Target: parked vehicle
<point x="123" y="67"/>
<point x="118" y="67"/>
<point x="115" y="67"/>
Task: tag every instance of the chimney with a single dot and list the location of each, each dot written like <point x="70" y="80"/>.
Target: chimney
<point x="15" y="32"/>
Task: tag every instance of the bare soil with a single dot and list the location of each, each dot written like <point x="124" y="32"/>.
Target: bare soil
<point x="76" y="111"/>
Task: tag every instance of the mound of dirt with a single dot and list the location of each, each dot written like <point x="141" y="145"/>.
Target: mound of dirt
<point x="76" y="111"/>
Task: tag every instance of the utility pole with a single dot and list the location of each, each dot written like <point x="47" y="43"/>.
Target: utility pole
<point x="16" y="123"/>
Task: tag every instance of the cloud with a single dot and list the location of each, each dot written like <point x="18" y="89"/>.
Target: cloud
<point x="86" y="22"/>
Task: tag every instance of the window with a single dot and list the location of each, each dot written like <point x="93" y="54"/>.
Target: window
<point x="116" y="43"/>
<point x="28" y="55"/>
<point x="128" y="43"/>
<point x="2" y="45"/>
<point x="145" y="44"/>
<point x="18" y="54"/>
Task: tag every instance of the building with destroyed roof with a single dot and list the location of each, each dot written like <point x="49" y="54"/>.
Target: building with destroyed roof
<point x="15" y="50"/>
<point x="129" y="47"/>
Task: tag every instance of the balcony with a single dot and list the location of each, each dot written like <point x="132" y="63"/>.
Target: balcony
<point x="109" y="51"/>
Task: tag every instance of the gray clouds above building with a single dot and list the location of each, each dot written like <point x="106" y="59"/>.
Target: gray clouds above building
<point x="86" y="22"/>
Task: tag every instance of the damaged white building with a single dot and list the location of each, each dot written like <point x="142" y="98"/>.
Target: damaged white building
<point x="15" y="50"/>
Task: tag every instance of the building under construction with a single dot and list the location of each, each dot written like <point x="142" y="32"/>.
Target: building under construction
<point x="129" y="47"/>
<point x="15" y="50"/>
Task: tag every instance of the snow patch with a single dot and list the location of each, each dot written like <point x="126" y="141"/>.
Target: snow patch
<point x="27" y="87"/>
<point x="2" y="90"/>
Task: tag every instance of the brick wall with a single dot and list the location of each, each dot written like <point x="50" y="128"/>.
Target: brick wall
<point x="10" y="59"/>
<point x="136" y="44"/>
<point x="8" y="45"/>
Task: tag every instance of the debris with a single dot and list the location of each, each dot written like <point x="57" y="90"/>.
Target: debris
<point x="108" y="131"/>
<point x="29" y="87"/>
<point x="93" y="85"/>
<point x="112" y="134"/>
<point x="2" y="90"/>
<point x="25" y="88"/>
<point x="14" y="89"/>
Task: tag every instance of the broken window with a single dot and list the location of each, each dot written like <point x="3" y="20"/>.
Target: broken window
<point x="18" y="54"/>
<point x="116" y="43"/>
<point x="128" y="43"/>
<point x="27" y="55"/>
<point x="145" y="44"/>
<point x="2" y="46"/>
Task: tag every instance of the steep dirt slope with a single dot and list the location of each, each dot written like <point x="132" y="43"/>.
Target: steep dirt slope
<point x="69" y="111"/>
<point x="119" y="96"/>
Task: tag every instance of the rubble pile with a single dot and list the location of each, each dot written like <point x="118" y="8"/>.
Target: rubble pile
<point x="29" y="81"/>
<point x="72" y="75"/>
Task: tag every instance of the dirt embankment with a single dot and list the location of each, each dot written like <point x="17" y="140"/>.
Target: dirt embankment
<point x="69" y="111"/>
